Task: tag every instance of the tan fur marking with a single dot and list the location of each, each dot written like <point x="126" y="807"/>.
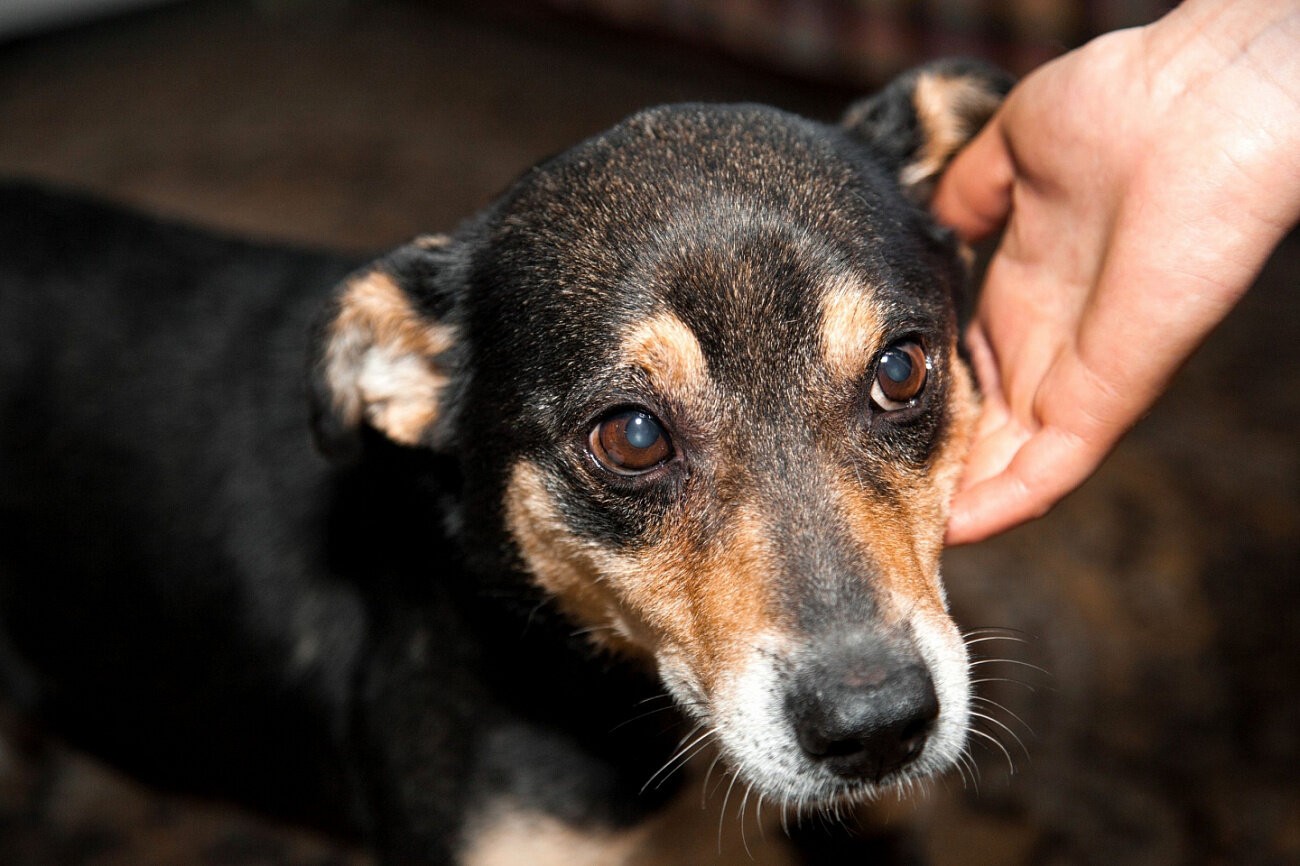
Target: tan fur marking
<point x="700" y="606"/>
<point x="730" y="597"/>
<point x="570" y="569"/>
<point x="514" y="838"/>
<point x="683" y="833"/>
<point x="381" y="364"/>
<point x="887" y="532"/>
<point x="432" y="242"/>
<point x="943" y="105"/>
<point x="851" y="329"/>
<point x="669" y="354"/>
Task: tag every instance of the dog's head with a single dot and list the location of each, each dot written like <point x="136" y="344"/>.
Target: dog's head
<point x="700" y="373"/>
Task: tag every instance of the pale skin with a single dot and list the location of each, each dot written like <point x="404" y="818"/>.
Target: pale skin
<point x="1143" y="180"/>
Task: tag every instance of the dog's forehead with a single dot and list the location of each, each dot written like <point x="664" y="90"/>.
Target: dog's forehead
<point x="744" y="224"/>
<point x="672" y="165"/>
<point x="692" y="152"/>
<point x="750" y="294"/>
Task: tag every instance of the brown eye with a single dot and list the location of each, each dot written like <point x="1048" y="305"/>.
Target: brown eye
<point x="630" y="442"/>
<point x="900" y="375"/>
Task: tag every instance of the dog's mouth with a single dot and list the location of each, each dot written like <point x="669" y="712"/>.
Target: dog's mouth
<point x="834" y="725"/>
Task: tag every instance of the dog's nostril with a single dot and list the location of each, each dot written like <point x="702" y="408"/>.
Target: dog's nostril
<point x="913" y="737"/>
<point x="866" y="731"/>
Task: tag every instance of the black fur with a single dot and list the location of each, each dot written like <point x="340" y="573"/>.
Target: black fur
<point x="191" y="591"/>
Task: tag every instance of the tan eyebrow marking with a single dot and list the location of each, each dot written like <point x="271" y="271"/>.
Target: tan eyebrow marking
<point x="669" y="354"/>
<point x="851" y="329"/>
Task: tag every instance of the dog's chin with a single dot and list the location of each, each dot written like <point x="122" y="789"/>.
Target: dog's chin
<point x="813" y="790"/>
<point x="752" y="731"/>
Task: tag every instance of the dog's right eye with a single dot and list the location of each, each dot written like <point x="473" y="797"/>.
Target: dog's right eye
<point x="629" y="442"/>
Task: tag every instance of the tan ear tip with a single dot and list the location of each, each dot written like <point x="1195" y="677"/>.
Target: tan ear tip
<point x="380" y="363"/>
<point x="432" y="241"/>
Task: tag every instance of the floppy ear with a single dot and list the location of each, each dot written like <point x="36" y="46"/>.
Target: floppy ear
<point x="923" y="117"/>
<point x="383" y="354"/>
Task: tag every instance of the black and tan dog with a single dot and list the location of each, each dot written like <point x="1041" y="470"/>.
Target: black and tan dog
<point x="681" y="410"/>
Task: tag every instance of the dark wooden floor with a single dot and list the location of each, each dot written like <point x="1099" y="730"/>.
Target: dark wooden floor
<point x="1161" y="599"/>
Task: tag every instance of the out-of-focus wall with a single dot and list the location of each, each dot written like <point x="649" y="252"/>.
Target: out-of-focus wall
<point x="865" y="42"/>
<point x="23" y="17"/>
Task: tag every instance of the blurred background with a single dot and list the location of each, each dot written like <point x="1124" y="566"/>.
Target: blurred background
<point x="1160" y="601"/>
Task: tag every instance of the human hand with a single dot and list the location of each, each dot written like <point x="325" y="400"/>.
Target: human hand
<point x="1145" y="178"/>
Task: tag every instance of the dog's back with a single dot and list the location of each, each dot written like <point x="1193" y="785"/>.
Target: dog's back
<point x="151" y="397"/>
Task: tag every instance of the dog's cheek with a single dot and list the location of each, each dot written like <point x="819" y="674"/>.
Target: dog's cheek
<point x="906" y="534"/>
<point x="963" y="411"/>
<point x="628" y="602"/>
<point x="690" y="606"/>
<point x="565" y="566"/>
<point x="902" y="533"/>
<point x="731" y="596"/>
<point x="950" y="458"/>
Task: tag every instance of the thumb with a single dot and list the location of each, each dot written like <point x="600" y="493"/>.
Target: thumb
<point x="974" y="194"/>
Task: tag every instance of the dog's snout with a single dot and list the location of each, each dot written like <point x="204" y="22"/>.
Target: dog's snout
<point x="865" y="719"/>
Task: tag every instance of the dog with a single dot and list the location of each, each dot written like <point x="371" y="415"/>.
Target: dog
<point x="659" y="443"/>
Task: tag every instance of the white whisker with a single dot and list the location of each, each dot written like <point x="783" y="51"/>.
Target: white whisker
<point x="1012" y="733"/>
<point x="1012" y="638"/>
<point x="1003" y="708"/>
<point x="704" y="789"/>
<point x="680" y="757"/>
<point x="722" y="814"/>
<point x="979" y="662"/>
<point x="995" y="741"/>
<point x="744" y="801"/>
<point x="1004" y="680"/>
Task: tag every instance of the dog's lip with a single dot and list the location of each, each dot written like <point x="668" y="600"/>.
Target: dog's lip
<point x="818" y="790"/>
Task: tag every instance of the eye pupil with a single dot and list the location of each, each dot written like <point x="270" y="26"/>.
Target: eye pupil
<point x="896" y="365"/>
<point x="642" y="431"/>
<point x="629" y="442"/>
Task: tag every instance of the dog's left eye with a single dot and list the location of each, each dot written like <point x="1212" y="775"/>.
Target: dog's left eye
<point x="900" y="377"/>
<point x="629" y="442"/>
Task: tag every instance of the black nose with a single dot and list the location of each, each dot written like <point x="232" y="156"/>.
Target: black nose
<point x="864" y="718"/>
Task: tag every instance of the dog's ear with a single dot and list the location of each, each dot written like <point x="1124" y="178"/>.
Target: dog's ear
<point x="384" y="352"/>
<point x="922" y="118"/>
